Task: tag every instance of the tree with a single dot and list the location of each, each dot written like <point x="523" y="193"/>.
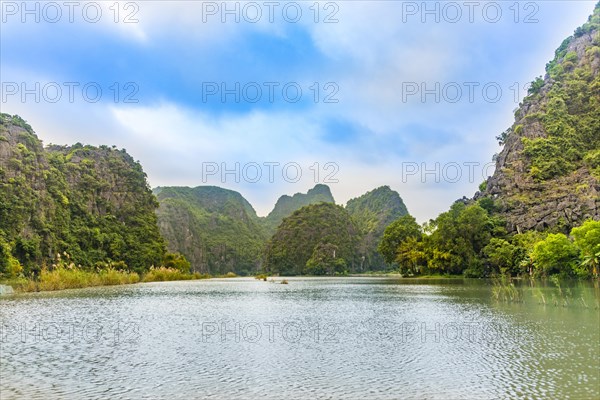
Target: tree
<point x="397" y="232"/>
<point x="461" y="234"/>
<point x="325" y="260"/>
<point x="410" y="256"/>
<point x="587" y="240"/>
<point x="9" y="266"/>
<point x="501" y="255"/>
<point x="176" y="261"/>
<point x="555" y="255"/>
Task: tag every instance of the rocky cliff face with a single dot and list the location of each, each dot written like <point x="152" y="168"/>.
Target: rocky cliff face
<point x="91" y="202"/>
<point x="547" y="175"/>
<point x="216" y="229"/>
<point x="286" y="205"/>
<point x="372" y="213"/>
<point x="322" y="232"/>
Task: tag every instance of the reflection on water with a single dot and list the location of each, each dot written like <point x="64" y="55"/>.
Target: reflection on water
<point x="312" y="338"/>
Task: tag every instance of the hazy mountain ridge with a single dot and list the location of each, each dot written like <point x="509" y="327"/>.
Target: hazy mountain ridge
<point x="286" y="205"/>
<point x="216" y="229"/>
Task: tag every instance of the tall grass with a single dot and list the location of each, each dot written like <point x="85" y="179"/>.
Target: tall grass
<point x="170" y="274"/>
<point x="71" y="277"/>
<point x="227" y="275"/>
<point x="61" y="278"/>
<point x="64" y="278"/>
<point x="504" y="289"/>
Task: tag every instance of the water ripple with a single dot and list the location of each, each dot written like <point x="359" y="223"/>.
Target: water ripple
<point x="319" y="339"/>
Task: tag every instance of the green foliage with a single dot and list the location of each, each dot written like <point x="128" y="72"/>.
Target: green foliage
<point x="555" y="255"/>
<point x="163" y="274"/>
<point x="411" y="256"/>
<point x="524" y="244"/>
<point x="324" y="261"/>
<point x="546" y="158"/>
<point x="372" y="213"/>
<point x="93" y="203"/>
<point x="397" y="232"/>
<point x="216" y="229"/>
<point x="570" y="112"/>
<point x="501" y="138"/>
<point x="71" y="278"/>
<point x="310" y="234"/>
<point x="286" y="205"/>
<point x="502" y="256"/>
<point x="176" y="261"/>
<point x="593" y="23"/>
<point x="587" y="240"/>
<point x="9" y="266"/>
<point x="7" y="120"/>
<point x="536" y="86"/>
<point x="592" y="158"/>
<point x="461" y="234"/>
<point x="468" y="239"/>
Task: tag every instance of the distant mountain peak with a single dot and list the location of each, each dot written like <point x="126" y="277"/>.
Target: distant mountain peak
<point x="320" y="189"/>
<point x="373" y="212"/>
<point x="286" y="205"/>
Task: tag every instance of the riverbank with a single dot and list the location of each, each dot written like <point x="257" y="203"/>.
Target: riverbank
<point x="65" y="278"/>
<point x="398" y="275"/>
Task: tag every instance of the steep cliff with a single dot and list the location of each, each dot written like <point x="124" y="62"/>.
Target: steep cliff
<point x="92" y="203"/>
<point x="547" y="175"/>
<point x="316" y="239"/>
<point x="286" y="205"/>
<point x="216" y="229"/>
<point x="373" y="212"/>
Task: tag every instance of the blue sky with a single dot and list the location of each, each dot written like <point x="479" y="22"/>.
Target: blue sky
<point x="405" y="94"/>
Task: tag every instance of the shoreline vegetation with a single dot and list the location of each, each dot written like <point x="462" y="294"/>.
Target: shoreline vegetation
<point x="62" y="278"/>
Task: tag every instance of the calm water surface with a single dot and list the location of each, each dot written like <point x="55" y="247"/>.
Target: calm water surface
<point x="356" y="338"/>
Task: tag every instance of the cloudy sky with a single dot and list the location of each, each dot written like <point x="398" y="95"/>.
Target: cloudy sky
<point x="269" y="98"/>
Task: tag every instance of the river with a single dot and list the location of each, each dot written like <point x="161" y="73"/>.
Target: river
<point x="355" y="338"/>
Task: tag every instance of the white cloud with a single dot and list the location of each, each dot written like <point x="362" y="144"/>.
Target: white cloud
<point x="370" y="53"/>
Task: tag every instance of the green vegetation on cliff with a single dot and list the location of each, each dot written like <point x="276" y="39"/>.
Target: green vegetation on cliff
<point x="216" y="229"/>
<point x="317" y="239"/>
<point x="372" y="213"/>
<point x="548" y="173"/>
<point x="286" y="205"/>
<point x="92" y="203"/>
<point x="538" y="215"/>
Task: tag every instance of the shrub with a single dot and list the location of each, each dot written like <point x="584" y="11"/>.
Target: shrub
<point x="555" y="255"/>
<point x="170" y="274"/>
<point x="177" y="261"/>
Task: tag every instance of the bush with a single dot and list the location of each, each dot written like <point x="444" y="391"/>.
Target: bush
<point x="176" y="261"/>
<point x="587" y="240"/>
<point x="555" y="255"/>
